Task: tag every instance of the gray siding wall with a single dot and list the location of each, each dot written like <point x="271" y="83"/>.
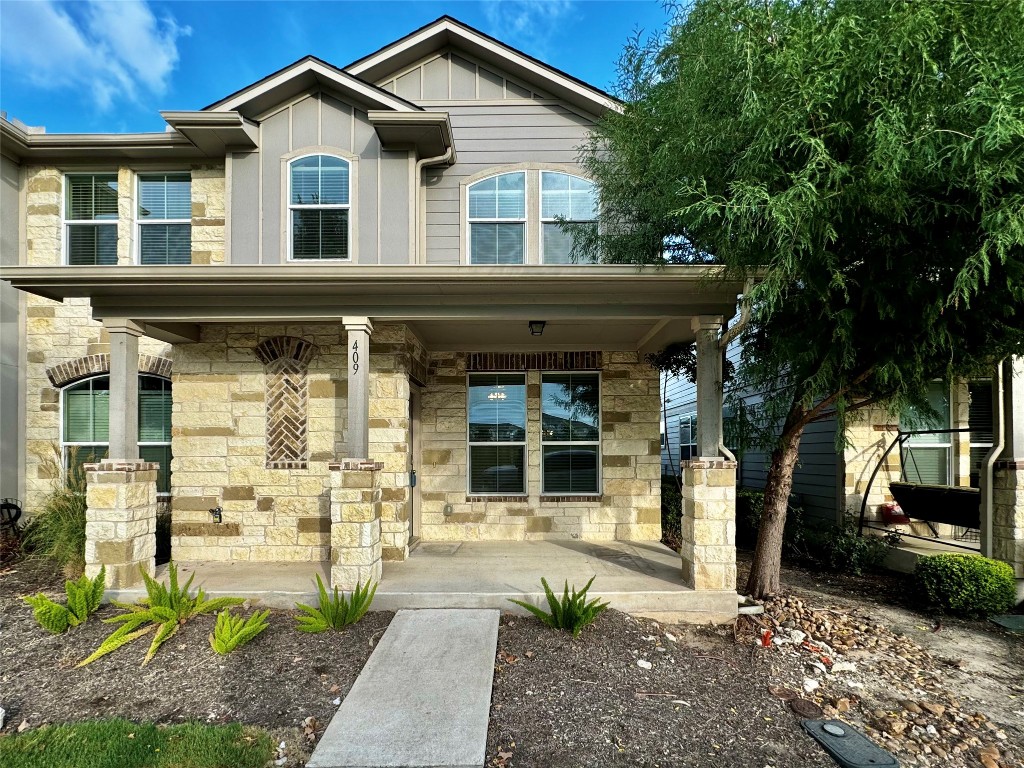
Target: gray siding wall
<point x="450" y="76"/>
<point x="816" y="477"/>
<point x="10" y="333"/>
<point x="489" y="136"/>
<point x="380" y="217"/>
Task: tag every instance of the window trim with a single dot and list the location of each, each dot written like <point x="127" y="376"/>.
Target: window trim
<point x="525" y="221"/>
<point x="138" y="222"/>
<point x="65" y="222"/>
<point x="64" y="444"/>
<point x="288" y="161"/>
<point x="598" y="442"/>
<point x="540" y="210"/>
<point x="524" y="444"/>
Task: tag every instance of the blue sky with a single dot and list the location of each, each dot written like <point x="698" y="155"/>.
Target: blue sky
<point x="90" y="66"/>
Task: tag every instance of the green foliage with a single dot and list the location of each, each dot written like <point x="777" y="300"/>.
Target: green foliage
<point x="57" y="529"/>
<point x="671" y="512"/>
<point x="841" y="549"/>
<point x="163" y="611"/>
<point x="335" y="612"/>
<point x="232" y="631"/>
<point x="83" y="595"/>
<point x="123" y="744"/>
<point x="750" y="505"/>
<point x="966" y="585"/>
<point x="570" y="614"/>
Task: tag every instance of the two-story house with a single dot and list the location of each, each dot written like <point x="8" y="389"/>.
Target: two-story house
<point x="340" y="306"/>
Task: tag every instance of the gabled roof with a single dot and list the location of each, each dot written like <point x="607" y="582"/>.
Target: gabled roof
<point x="447" y="31"/>
<point x="300" y="76"/>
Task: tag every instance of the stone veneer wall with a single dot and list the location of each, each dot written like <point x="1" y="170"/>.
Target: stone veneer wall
<point x="1008" y="514"/>
<point x="630" y="507"/>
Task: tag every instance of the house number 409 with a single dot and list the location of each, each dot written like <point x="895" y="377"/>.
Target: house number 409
<point x="355" y="357"/>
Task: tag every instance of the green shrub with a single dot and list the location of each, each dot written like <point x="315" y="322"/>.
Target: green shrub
<point x="84" y="597"/>
<point x="162" y="612"/>
<point x="842" y="549"/>
<point x="750" y="505"/>
<point x="57" y="529"/>
<point x="232" y="631"/>
<point x="570" y="614"/>
<point x="335" y="612"/>
<point x="966" y="585"/>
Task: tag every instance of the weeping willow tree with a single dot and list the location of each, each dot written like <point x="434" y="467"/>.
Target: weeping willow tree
<point x="862" y="160"/>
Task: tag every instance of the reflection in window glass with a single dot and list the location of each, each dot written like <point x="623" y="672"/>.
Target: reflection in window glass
<point x="497" y="433"/>
<point x="571" y="432"/>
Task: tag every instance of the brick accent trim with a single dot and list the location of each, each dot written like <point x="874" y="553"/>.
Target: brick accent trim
<point x="551" y="499"/>
<point x="122" y="466"/>
<point x="285" y="347"/>
<point x="506" y="499"/>
<point x="534" y="361"/>
<point x="69" y="372"/>
<point x="709" y="464"/>
<point x="360" y="465"/>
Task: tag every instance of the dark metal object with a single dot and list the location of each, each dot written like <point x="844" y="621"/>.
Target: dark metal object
<point x="10" y="513"/>
<point x="217" y="513"/>
<point x="848" y="746"/>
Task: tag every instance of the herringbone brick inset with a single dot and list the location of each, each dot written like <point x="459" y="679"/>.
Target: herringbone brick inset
<point x="287" y="396"/>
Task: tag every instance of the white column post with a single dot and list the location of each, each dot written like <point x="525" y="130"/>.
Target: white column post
<point x="358" y="330"/>
<point x="709" y="385"/>
<point x="124" y="388"/>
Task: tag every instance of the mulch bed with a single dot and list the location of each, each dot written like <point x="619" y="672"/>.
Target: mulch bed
<point x="276" y="681"/>
<point x="586" y="702"/>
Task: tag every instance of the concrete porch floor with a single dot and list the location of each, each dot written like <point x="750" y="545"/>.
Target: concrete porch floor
<point x="903" y="558"/>
<point x="641" y="578"/>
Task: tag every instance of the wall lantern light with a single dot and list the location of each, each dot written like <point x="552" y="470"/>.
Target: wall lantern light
<point x="537" y="327"/>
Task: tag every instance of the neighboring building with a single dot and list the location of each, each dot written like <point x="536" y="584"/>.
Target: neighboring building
<point x="333" y="272"/>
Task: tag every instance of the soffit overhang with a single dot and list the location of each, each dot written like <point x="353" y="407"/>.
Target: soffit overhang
<point x="429" y="134"/>
<point x="89" y="147"/>
<point x="215" y="133"/>
<point x="582" y="304"/>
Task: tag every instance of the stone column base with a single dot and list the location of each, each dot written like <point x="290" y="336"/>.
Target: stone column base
<point x="355" y="523"/>
<point x="1008" y="514"/>
<point x="709" y="525"/>
<point x="120" y="520"/>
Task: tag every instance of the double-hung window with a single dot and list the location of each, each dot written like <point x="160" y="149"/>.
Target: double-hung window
<point x="90" y="219"/>
<point x="319" y="207"/>
<point x="165" y="218"/>
<point x="980" y="422"/>
<point x="568" y="199"/>
<point x="926" y="458"/>
<point x="571" y="433"/>
<point x="497" y="433"/>
<point x="497" y="219"/>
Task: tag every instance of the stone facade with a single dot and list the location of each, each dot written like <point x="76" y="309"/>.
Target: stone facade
<point x="355" y="523"/>
<point x="1008" y="514"/>
<point x="708" y="526"/>
<point x="630" y="505"/>
<point x="120" y="527"/>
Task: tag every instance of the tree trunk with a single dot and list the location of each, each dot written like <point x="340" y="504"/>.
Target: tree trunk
<point x="765" y="571"/>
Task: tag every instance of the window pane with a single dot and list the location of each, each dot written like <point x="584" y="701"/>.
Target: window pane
<point x="77" y="455"/>
<point x="570" y="468"/>
<point x="567" y="197"/>
<point x="90" y="196"/>
<point x="154" y="409"/>
<point x="92" y="244"/>
<point x="497" y="408"/>
<point x="926" y="465"/>
<point x="320" y="234"/>
<point x="78" y="415"/>
<point x="980" y="415"/>
<point x="497" y="243"/>
<point x="938" y="399"/>
<point x="499" y="197"/>
<point x="320" y="180"/>
<point x="165" y="244"/>
<point x="333" y="181"/>
<point x="162" y="455"/>
<point x="570" y="407"/>
<point x="165" y="196"/>
<point x="497" y="469"/>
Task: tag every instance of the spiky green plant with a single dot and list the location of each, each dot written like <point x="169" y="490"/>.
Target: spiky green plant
<point x="572" y="613"/>
<point x="162" y="612"/>
<point x="335" y="612"/>
<point x="57" y="528"/>
<point x="84" y="596"/>
<point x="232" y="631"/>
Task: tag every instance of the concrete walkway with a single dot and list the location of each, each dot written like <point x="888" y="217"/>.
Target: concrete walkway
<point x="423" y="698"/>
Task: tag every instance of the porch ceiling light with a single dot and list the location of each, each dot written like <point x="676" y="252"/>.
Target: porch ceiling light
<point x="537" y="327"/>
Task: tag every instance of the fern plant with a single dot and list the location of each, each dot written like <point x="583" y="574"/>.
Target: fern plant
<point x="84" y="596"/>
<point x="162" y="612"/>
<point x="232" y="631"/>
<point x="335" y="612"/>
<point x="572" y="613"/>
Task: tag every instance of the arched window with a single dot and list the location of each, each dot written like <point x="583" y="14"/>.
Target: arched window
<point x="497" y="219"/>
<point x="319" y="208"/>
<point x="85" y="418"/>
<point x="568" y="198"/>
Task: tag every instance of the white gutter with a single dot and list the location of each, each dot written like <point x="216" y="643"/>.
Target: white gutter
<point x="419" y="247"/>
<point x="989" y="462"/>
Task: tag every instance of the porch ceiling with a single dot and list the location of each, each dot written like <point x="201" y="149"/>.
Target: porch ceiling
<point x="582" y="304"/>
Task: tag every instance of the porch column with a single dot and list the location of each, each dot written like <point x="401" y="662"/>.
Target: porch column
<point x="358" y="330"/>
<point x="120" y="520"/>
<point x="124" y="388"/>
<point x="1007" y="514"/>
<point x="355" y="523"/>
<point x="708" y="526"/>
<point x="709" y="385"/>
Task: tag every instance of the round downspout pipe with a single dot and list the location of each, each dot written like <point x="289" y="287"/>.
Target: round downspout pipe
<point x="988" y="464"/>
<point x="421" y="224"/>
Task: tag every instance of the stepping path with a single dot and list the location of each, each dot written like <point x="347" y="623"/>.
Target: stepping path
<point x="423" y="698"/>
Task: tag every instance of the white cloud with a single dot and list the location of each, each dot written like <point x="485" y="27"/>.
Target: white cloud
<point x="113" y="50"/>
<point x="527" y="24"/>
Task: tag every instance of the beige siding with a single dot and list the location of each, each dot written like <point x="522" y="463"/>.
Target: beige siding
<point x="452" y="76"/>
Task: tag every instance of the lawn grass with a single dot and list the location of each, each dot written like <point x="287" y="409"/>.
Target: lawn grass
<point x="123" y="744"/>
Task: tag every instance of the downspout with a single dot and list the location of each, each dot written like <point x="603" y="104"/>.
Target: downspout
<point x="421" y="223"/>
<point x="989" y="463"/>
